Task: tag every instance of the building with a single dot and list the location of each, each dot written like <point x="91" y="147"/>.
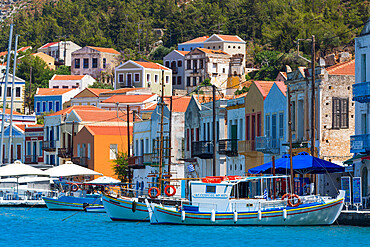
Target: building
<point x="192" y="44"/>
<point x="61" y="51"/>
<point x="275" y="123"/>
<point x="97" y="62"/>
<point x="18" y="118"/>
<point x="146" y="138"/>
<point x="235" y="162"/>
<point x="201" y="64"/>
<point x="95" y="147"/>
<point x="335" y="116"/>
<point x="88" y="96"/>
<point x="360" y="145"/>
<point x="136" y="103"/>
<point x="34" y="154"/>
<point x="199" y="137"/>
<point x="143" y="74"/>
<point x="254" y="122"/>
<point x="19" y="87"/>
<point x="49" y="60"/>
<point x="52" y="99"/>
<point x="175" y="60"/>
<point x="18" y="142"/>
<point x="71" y="81"/>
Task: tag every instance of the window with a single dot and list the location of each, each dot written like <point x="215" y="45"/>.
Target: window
<point x="187" y="140"/>
<point x="167" y="79"/>
<point x="340" y="113"/>
<point x="77" y="63"/>
<point x="88" y="151"/>
<point x="64" y="86"/>
<point x="214" y="65"/>
<point x="259" y="124"/>
<point x="113" y="149"/>
<point x="194" y="81"/>
<point x="179" y="80"/>
<point x="86" y="63"/>
<point x="188" y="64"/>
<point x="195" y="64"/>
<point x="210" y="189"/>
<point x="179" y="63"/>
<point x="104" y="63"/>
<point x="167" y="64"/>
<point x="9" y="92"/>
<point x="267" y="125"/>
<point x="28" y="148"/>
<point x="364" y="124"/>
<point x="223" y="70"/>
<point x="18" y="92"/>
<point x="200" y="64"/>
<point x="146" y="151"/>
<point x="156" y="78"/>
<point x="293" y="116"/>
<point x="247" y="126"/>
<point x="38" y="107"/>
<point x="147" y="77"/>
<point x="188" y="81"/>
<point x="40" y="148"/>
<point x="120" y="78"/>
<point x="44" y="106"/>
<point x="57" y="105"/>
<point x="55" y="86"/>
<point x="363" y="67"/>
<point x="281" y="124"/>
<point x="94" y="63"/>
<point x="273" y="126"/>
<point x="137" y="77"/>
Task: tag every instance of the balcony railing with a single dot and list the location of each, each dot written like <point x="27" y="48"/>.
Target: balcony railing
<point x="82" y="161"/>
<point x="202" y="149"/>
<point x="135" y="160"/>
<point x="64" y="152"/>
<point x="267" y="145"/>
<point x="360" y="143"/>
<point x="250" y="145"/>
<point x="228" y="147"/>
<point x="31" y="159"/>
<point x="361" y="92"/>
<point x="49" y="145"/>
<point x="125" y="84"/>
<point x="147" y="158"/>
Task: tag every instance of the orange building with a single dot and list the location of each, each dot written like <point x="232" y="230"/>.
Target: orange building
<point x="96" y="147"/>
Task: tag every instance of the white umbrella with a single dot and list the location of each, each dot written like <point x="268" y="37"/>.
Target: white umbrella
<point x="104" y="180"/>
<point x="18" y="169"/>
<point x="26" y="180"/>
<point x="69" y="169"/>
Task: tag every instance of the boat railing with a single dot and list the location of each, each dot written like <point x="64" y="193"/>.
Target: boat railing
<point x="264" y="205"/>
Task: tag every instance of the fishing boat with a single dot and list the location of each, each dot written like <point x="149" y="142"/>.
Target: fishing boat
<point x="244" y="201"/>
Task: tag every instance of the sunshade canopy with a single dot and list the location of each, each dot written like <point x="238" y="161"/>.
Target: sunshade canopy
<point x="104" y="180"/>
<point x="18" y="169"/>
<point x="69" y="169"/>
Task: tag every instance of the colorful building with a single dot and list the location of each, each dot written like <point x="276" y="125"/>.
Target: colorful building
<point x="79" y="82"/>
<point x="19" y="87"/>
<point x="88" y="96"/>
<point x="61" y="51"/>
<point x="175" y="60"/>
<point x="34" y="154"/>
<point x="52" y="99"/>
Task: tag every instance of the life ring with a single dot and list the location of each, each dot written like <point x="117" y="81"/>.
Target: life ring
<point x="291" y="198"/>
<point x="74" y="187"/>
<point x="167" y="190"/>
<point x="150" y="192"/>
<point x="285" y="195"/>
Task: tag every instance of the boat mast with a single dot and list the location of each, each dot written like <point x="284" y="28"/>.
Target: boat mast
<point x="161" y="135"/>
<point x="313" y="109"/>
<point x="290" y="141"/>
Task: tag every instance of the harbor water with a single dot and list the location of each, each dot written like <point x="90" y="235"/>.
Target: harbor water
<point x="40" y="227"/>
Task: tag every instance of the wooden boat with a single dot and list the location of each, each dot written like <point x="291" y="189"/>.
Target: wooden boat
<point x="72" y="203"/>
<point x="220" y="201"/>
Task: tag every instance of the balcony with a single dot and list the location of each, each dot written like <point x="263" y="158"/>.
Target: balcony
<point x="49" y="146"/>
<point x="267" y="145"/>
<point x="228" y="147"/>
<point x="360" y="143"/>
<point x="202" y="149"/>
<point x="147" y="158"/>
<point x="64" y="152"/>
<point x="136" y="162"/>
<point x="31" y="159"/>
<point x="82" y="161"/>
<point x="361" y="92"/>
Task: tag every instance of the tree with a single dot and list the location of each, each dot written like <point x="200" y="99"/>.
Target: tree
<point x="63" y="70"/>
<point x="120" y="166"/>
<point x="102" y="85"/>
<point x="160" y="52"/>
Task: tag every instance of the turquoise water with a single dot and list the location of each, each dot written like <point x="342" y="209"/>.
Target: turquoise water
<point x="40" y="227"/>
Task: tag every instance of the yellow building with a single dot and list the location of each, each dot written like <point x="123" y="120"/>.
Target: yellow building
<point x="49" y="60"/>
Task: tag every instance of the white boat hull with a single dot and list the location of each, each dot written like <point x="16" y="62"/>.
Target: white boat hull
<point x="121" y="209"/>
<point x="310" y="214"/>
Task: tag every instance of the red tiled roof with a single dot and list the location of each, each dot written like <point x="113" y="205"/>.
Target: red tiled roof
<point x="35" y="126"/>
<point x="21" y="126"/>
<point x="106" y="50"/>
<point x="69" y="109"/>
<point x="24" y="48"/>
<point x="197" y="40"/>
<point x="53" y="91"/>
<point x="4" y="53"/>
<point x="67" y="77"/>
<point x="7" y="111"/>
<point x="230" y="38"/>
<point x="281" y="86"/>
<point x="150" y="65"/>
<point x="241" y="95"/>
<point x="179" y="104"/>
<point x="213" y="51"/>
<point x="101" y="116"/>
<point x="121" y="90"/>
<point x="108" y="130"/>
<point x="48" y="45"/>
<point x="128" y="98"/>
<point x="346" y="68"/>
<point x="98" y="91"/>
<point x="183" y="52"/>
<point x="264" y="87"/>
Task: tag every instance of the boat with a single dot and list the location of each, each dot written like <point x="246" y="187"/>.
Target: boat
<point x="72" y="202"/>
<point x="244" y="201"/>
<point x="95" y="209"/>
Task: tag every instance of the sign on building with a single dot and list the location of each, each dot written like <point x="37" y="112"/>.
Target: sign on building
<point x="357" y="195"/>
<point x="346" y="186"/>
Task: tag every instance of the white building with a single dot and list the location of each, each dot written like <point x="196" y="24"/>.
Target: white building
<point x="60" y="51"/>
<point x="71" y="81"/>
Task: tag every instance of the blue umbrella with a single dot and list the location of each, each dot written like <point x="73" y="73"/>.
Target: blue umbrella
<point x="267" y="167"/>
